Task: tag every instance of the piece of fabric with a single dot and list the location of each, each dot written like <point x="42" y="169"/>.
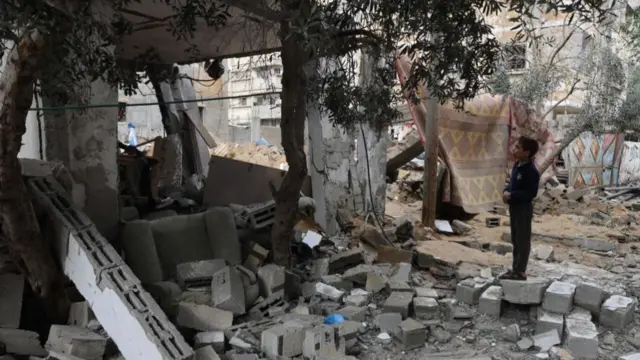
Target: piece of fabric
<point x="520" y="216"/>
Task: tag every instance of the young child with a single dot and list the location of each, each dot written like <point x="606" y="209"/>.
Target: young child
<point x="519" y="194"/>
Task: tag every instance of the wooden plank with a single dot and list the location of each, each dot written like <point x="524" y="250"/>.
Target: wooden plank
<point x="194" y="117"/>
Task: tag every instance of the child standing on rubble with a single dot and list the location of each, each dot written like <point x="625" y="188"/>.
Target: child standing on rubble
<point x="519" y="194"/>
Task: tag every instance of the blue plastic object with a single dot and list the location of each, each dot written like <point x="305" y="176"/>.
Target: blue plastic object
<point x="334" y="319"/>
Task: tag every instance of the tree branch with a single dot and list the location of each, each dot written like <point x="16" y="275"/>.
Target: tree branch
<point x="564" y="98"/>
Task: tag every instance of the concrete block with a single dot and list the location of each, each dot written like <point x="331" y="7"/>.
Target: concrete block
<point x="579" y="313"/>
<point x="412" y="334"/>
<point x="400" y="272"/>
<point x="358" y="297"/>
<point x="426" y="308"/>
<point x="469" y="291"/>
<point x="206" y="353"/>
<point x="227" y="291"/>
<point x="548" y="321"/>
<point x="376" y="282"/>
<point x="617" y="312"/>
<point x="581" y="339"/>
<point x="76" y="341"/>
<point x="215" y="339"/>
<point x="320" y="343"/>
<point x="203" y="317"/>
<point x="490" y="302"/>
<point x="283" y="339"/>
<point x="337" y="281"/>
<point x="271" y="278"/>
<point x="11" y="290"/>
<point x="223" y="235"/>
<point x="527" y="292"/>
<point x="427" y="292"/>
<point x="358" y="274"/>
<point x="348" y="331"/>
<point x="80" y="314"/>
<point x="589" y="296"/>
<point x="22" y="342"/>
<point x="558" y="297"/>
<point x="346" y="259"/>
<point x="399" y="286"/>
<point x="257" y="256"/>
<point x="547" y="340"/>
<point x="398" y="302"/>
<point x="353" y="313"/>
<point x="634" y="356"/>
<point x="394" y="255"/>
<point x="198" y="273"/>
<point x="319" y="268"/>
<point x="388" y="322"/>
<point x="329" y="292"/>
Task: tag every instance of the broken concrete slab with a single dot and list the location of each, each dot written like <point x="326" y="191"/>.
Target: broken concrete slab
<point x="257" y="256"/>
<point x="490" y="302"/>
<point x="11" y="290"/>
<point x="80" y="314"/>
<point x="271" y="278"/>
<point x="329" y="292"/>
<point x="206" y="353"/>
<point x="22" y="342"/>
<point x="589" y="296"/>
<point x="76" y="341"/>
<point x="558" y="297"/>
<point x="548" y="321"/>
<point x="427" y="292"/>
<point x="412" y="334"/>
<point x="353" y="313"/>
<point x="198" y="273"/>
<point x="214" y="339"/>
<point x="376" y="282"/>
<point x="546" y="340"/>
<point x="617" y="312"/>
<point x="357" y="297"/>
<point x="358" y="274"/>
<point x="203" y="317"/>
<point x="227" y="291"/>
<point x="337" y="281"/>
<point x="348" y="331"/>
<point x="526" y="292"/>
<point x="581" y="339"/>
<point x="393" y="255"/>
<point x="398" y="302"/>
<point x="401" y="272"/>
<point x="469" y="291"/>
<point x="346" y="259"/>
<point x="544" y="252"/>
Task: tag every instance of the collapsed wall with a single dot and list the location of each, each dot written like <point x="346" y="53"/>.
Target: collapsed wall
<point x="126" y="311"/>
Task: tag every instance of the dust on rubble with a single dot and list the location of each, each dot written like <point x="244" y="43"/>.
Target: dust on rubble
<point x="270" y="156"/>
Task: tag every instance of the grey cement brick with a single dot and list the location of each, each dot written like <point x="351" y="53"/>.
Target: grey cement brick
<point x="338" y="282"/>
<point x="348" y="331"/>
<point x="490" y="302"/>
<point x="469" y="291"/>
<point x="22" y="342"/>
<point x="257" y="256"/>
<point x="427" y="292"/>
<point x="412" y="334"/>
<point x="634" y="356"/>
<point x="203" y="317"/>
<point x="426" y="308"/>
<point x="589" y="296"/>
<point x="581" y="339"/>
<point x="198" y="273"/>
<point x="353" y="313"/>
<point x="346" y="259"/>
<point x="548" y="321"/>
<point x="80" y="314"/>
<point x="388" y="322"/>
<point x="398" y="302"/>
<point x="320" y="343"/>
<point x="271" y="278"/>
<point x="376" y="282"/>
<point x="559" y="297"/>
<point x="547" y="340"/>
<point x="206" y="353"/>
<point x="76" y="341"/>
<point x="358" y="297"/>
<point x="283" y="339"/>
<point x="400" y="272"/>
<point x="617" y="312"/>
<point x="358" y="274"/>
<point x="214" y="339"/>
<point x="399" y="286"/>
<point x="527" y="292"/>
<point x="11" y="290"/>
<point x="227" y="291"/>
<point x="579" y="313"/>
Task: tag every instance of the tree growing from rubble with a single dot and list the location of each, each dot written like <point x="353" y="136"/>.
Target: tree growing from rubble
<point x="592" y="74"/>
<point x="64" y="44"/>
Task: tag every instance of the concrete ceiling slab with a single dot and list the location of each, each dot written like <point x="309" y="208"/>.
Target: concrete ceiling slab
<point x="244" y="34"/>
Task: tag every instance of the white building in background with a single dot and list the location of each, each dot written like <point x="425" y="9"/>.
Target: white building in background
<point x="260" y="79"/>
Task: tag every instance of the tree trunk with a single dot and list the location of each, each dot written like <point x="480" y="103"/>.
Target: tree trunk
<point x="19" y="224"/>
<point x="552" y="158"/>
<point x="292" y="129"/>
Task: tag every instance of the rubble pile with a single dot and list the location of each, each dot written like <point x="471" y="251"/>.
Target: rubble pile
<point x="270" y="156"/>
<point x="561" y="199"/>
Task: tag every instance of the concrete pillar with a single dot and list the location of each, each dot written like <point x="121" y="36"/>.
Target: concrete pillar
<point x="376" y="140"/>
<point x="85" y="141"/>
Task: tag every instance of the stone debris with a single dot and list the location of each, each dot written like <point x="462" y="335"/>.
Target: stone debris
<point x="490" y="301"/>
<point x="548" y="321"/>
<point x="398" y="302"/>
<point x="215" y="339"/>
<point x="412" y="334"/>
<point x="589" y="296"/>
<point x="76" y="341"/>
<point x="581" y="339"/>
<point x="426" y="308"/>
<point x="203" y="317"/>
<point x="545" y="341"/>
<point x="559" y="297"/>
<point x="617" y="312"/>
<point x="527" y="292"/>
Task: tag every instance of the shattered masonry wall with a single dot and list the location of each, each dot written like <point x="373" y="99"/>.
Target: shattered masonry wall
<point x="630" y="163"/>
<point x="127" y="312"/>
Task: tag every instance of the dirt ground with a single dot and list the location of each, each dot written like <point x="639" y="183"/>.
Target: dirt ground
<point x="269" y="156"/>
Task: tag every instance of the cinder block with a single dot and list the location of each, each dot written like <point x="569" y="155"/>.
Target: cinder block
<point x="198" y="273"/>
<point x="337" y="282"/>
<point x="203" y="317"/>
<point x="358" y="297"/>
<point x="617" y="312"/>
<point x="11" y="290"/>
<point x="283" y="339"/>
<point x="329" y="292"/>
<point x="398" y="302"/>
<point x="589" y="296"/>
<point x="348" y="331"/>
<point x="257" y="256"/>
<point x="490" y="302"/>
<point x="320" y="343"/>
<point x="346" y="259"/>
<point x="358" y="274"/>
<point x="22" y="342"/>
<point x="206" y="353"/>
<point x="581" y="339"/>
<point x="579" y="313"/>
<point x="548" y="321"/>
<point x="213" y="338"/>
<point x="353" y="313"/>
<point x="559" y="297"/>
<point x="76" y="341"/>
<point x="427" y="292"/>
<point x="469" y="291"/>
<point x="412" y="334"/>
<point x="271" y="278"/>
<point x="80" y="314"/>
<point x="227" y="291"/>
<point x="426" y="308"/>
<point x="529" y="292"/>
<point x="389" y="322"/>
